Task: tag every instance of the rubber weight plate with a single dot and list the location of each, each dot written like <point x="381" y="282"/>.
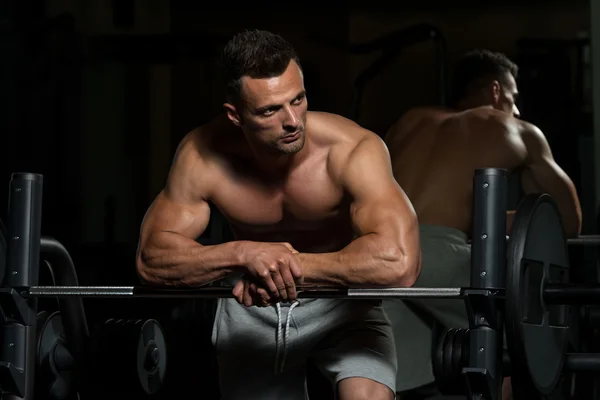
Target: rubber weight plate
<point x="54" y="363"/>
<point x="128" y="356"/>
<point x="536" y="333"/>
<point x="449" y="358"/>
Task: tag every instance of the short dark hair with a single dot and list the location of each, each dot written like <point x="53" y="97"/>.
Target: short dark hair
<point x="480" y="64"/>
<point x="256" y="54"/>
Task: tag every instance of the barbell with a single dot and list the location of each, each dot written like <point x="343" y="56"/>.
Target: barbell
<point x="536" y="250"/>
<point x="552" y="293"/>
<point x="536" y="289"/>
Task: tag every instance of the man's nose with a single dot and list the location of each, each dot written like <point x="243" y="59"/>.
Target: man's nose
<point x="516" y="111"/>
<point x="291" y="119"/>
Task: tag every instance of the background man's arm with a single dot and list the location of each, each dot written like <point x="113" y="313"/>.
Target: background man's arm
<point x="168" y="253"/>
<point x="387" y="250"/>
<point x="541" y="174"/>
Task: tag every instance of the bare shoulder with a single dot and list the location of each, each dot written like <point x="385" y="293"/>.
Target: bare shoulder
<point x="529" y="129"/>
<point x="344" y="139"/>
<point x="533" y="138"/>
<point x="193" y="164"/>
<point x="336" y="132"/>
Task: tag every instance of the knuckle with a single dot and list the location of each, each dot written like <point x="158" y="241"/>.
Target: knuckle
<point x="265" y="273"/>
<point x="282" y="259"/>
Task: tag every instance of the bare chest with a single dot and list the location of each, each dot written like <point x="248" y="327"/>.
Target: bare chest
<point x="307" y="208"/>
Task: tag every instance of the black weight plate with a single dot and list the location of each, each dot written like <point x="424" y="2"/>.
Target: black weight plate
<point x="52" y="381"/>
<point x="151" y="357"/>
<point x="460" y="350"/>
<point x="438" y="358"/>
<point x="536" y="333"/>
<point x="444" y="375"/>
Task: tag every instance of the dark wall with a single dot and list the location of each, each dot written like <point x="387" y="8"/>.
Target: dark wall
<point x="101" y="121"/>
<point x="103" y="128"/>
<point x="411" y="80"/>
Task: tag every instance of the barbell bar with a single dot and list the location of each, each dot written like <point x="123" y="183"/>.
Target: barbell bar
<point x="584" y="240"/>
<point x="552" y="293"/>
<point x="213" y="292"/>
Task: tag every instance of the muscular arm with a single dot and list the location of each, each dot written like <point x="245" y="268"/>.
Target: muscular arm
<point x="387" y="249"/>
<point x="168" y="253"/>
<point x="541" y="174"/>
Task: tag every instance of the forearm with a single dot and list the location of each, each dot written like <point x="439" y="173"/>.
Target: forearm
<point x="169" y="258"/>
<point x="368" y="261"/>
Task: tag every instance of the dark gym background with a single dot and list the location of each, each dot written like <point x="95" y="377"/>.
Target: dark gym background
<point x="96" y="94"/>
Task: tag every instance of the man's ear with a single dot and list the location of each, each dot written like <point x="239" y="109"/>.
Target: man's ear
<point x="496" y="91"/>
<point x="232" y="114"/>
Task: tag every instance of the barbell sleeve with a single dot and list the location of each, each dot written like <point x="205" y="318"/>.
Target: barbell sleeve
<point x="585" y="240"/>
<point x="224" y="292"/>
<point x="572" y="294"/>
<point x="582" y="362"/>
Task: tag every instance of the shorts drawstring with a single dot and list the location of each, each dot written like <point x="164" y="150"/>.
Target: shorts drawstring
<point x="282" y="335"/>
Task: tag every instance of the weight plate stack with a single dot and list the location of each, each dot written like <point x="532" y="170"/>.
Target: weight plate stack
<point x="536" y="333"/>
<point x="450" y="357"/>
<point x="54" y="363"/>
<point x="127" y="357"/>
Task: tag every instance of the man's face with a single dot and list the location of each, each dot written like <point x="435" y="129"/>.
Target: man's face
<point x="504" y="95"/>
<point x="272" y="111"/>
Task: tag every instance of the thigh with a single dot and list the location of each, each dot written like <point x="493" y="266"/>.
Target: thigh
<point x="360" y="347"/>
<point x="246" y="345"/>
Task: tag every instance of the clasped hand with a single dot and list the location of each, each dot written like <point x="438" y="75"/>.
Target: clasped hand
<point x="272" y="273"/>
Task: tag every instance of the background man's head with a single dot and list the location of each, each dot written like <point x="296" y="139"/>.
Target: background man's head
<point x="265" y="93"/>
<point x="483" y="77"/>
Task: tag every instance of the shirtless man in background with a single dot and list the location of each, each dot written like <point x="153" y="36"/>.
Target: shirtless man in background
<point x="435" y="152"/>
<point x="311" y="199"/>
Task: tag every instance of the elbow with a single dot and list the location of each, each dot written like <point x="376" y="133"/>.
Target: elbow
<point x="405" y="267"/>
<point x="573" y="223"/>
<point x="573" y="230"/>
<point x="144" y="272"/>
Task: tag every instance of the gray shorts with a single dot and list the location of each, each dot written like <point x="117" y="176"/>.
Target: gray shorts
<point x="446" y="257"/>
<point x="262" y="352"/>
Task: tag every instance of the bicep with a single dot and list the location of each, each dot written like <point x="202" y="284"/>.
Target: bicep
<point x="169" y="214"/>
<point x="181" y="207"/>
<point x="378" y="205"/>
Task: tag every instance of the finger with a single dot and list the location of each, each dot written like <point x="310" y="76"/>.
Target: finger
<point x="267" y="280"/>
<point x="296" y="269"/>
<point x="247" y="295"/>
<point x="264" y="296"/>
<point x="260" y="296"/>
<point x="238" y="289"/>
<point x="288" y="281"/>
<point x="238" y="292"/>
<point x="279" y="282"/>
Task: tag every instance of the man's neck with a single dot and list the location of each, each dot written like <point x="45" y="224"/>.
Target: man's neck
<point x="275" y="165"/>
<point x="469" y="104"/>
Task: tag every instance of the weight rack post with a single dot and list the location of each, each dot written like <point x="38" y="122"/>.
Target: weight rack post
<point x="18" y="349"/>
<point x="488" y="269"/>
